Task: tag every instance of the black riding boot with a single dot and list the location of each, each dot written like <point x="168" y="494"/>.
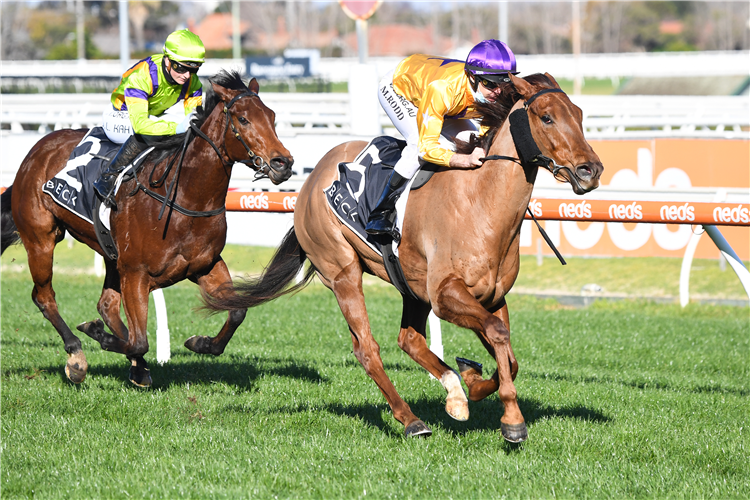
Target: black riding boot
<point x="380" y="218"/>
<point x="105" y="184"/>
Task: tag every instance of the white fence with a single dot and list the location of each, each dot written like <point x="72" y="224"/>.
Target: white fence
<point x="605" y="117"/>
<point x="653" y="64"/>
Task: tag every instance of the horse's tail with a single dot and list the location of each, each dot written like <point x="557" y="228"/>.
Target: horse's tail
<point x="8" y="228"/>
<point x="286" y="264"/>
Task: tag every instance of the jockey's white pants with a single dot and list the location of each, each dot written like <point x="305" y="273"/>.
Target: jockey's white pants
<point x="403" y="115"/>
<point x="117" y="126"/>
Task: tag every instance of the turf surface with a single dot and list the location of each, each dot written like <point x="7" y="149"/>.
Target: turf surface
<point x="625" y="399"/>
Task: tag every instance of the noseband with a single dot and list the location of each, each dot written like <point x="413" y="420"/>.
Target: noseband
<point x="257" y="163"/>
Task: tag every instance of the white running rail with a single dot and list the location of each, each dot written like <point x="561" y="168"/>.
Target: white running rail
<point x="605" y="117"/>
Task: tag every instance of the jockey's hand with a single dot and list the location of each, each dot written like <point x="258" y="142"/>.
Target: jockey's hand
<point x="467" y="161"/>
<point x="185" y="124"/>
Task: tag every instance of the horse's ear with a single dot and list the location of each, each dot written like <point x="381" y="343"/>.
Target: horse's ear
<point x="254" y="85"/>
<point x="222" y="92"/>
<point x="522" y="86"/>
<point x="552" y="79"/>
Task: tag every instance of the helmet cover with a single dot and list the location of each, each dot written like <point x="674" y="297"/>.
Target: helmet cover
<point x="185" y="47"/>
<point x="489" y="58"/>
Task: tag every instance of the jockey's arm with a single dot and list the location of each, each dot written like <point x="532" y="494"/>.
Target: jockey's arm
<point x="137" y="103"/>
<point x="430" y="118"/>
<point x="142" y="124"/>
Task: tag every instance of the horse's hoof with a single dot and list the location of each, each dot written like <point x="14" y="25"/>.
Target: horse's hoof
<point x="467" y="364"/>
<point x="417" y="429"/>
<point x="94" y="329"/>
<point x="76" y="367"/>
<point x="140" y="376"/>
<point x="514" y="433"/>
<point x="201" y="344"/>
<point x="457" y="408"/>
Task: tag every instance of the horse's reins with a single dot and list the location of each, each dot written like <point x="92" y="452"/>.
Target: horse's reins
<point x="256" y="162"/>
<point x="531" y="155"/>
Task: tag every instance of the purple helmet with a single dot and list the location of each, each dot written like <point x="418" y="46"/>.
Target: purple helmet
<point x="489" y="58"/>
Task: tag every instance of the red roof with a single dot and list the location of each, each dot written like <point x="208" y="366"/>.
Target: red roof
<point x="402" y="40"/>
<point x="215" y="30"/>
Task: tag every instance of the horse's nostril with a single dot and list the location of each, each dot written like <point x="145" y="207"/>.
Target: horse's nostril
<point x="583" y="171"/>
<point x="281" y="162"/>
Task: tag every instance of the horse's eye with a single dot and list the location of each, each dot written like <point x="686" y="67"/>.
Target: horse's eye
<point x="547" y="119"/>
<point x="243" y="120"/>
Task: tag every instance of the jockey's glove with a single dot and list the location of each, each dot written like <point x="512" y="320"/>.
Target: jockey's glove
<point x="185" y="124"/>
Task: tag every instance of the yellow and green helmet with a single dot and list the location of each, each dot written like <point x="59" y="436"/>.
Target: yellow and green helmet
<point x="185" y="47"/>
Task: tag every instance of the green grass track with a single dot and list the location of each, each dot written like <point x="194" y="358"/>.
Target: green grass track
<point x="625" y="399"/>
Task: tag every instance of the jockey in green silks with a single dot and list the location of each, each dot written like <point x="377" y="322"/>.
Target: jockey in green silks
<point x="155" y="98"/>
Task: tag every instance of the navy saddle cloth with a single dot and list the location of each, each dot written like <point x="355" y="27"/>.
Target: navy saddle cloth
<point x="73" y="187"/>
<point x="357" y="190"/>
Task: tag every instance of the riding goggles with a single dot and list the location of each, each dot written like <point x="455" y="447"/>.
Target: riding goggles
<point x="492" y="84"/>
<point x="181" y="68"/>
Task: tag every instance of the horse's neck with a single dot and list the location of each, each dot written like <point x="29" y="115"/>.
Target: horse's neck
<point x="204" y="177"/>
<point x="509" y="184"/>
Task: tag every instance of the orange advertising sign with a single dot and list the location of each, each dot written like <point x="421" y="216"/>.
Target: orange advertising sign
<point x="664" y="164"/>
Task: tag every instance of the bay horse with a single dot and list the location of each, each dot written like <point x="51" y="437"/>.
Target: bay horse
<point x="234" y="125"/>
<point x="459" y="251"/>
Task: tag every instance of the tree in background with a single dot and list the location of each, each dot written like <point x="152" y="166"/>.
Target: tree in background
<point x="42" y="30"/>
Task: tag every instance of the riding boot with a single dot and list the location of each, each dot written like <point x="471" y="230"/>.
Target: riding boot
<point x="380" y="221"/>
<point x="105" y="184"/>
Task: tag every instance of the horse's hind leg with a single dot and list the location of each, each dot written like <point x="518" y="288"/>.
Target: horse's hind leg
<point x="456" y="304"/>
<point x="347" y="286"/>
<point x="213" y="284"/>
<point x="40" y="251"/>
<point x="411" y="339"/>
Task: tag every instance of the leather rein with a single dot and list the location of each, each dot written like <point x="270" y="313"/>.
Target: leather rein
<point x="531" y="155"/>
<point x="254" y="161"/>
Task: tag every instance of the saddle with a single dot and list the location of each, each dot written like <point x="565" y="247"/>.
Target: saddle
<point x="72" y="187"/>
<point x="356" y="191"/>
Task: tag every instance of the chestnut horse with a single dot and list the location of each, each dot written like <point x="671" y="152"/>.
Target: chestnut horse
<point x="459" y="251"/>
<point x="235" y="126"/>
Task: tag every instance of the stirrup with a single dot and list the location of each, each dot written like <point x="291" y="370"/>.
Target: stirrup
<point x="109" y="202"/>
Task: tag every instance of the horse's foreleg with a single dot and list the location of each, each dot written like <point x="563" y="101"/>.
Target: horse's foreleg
<point x="472" y="372"/>
<point x="411" y="339"/>
<point x="108" y="307"/>
<point x="135" y="299"/>
<point x="347" y="286"/>
<point x="214" y="284"/>
<point x="109" y="302"/>
<point x="40" y="265"/>
<point x="456" y="304"/>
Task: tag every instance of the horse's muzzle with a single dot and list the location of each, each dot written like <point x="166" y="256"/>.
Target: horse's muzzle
<point x="585" y="177"/>
<point x="281" y="169"/>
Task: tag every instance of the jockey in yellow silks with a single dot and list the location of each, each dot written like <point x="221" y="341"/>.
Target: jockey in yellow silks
<point x="155" y="98"/>
<point x="429" y="96"/>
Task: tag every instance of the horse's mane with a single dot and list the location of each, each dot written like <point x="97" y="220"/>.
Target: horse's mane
<point x="494" y="113"/>
<point x="169" y="146"/>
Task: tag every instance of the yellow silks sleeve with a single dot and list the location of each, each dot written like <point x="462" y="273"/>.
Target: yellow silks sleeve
<point x="432" y="110"/>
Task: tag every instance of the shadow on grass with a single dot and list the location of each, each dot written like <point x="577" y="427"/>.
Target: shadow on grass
<point x="182" y="370"/>
<point x="485" y="415"/>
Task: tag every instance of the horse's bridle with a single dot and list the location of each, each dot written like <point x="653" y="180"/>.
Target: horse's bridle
<point x="528" y="150"/>
<point x="256" y="162"/>
<point x="261" y="167"/>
